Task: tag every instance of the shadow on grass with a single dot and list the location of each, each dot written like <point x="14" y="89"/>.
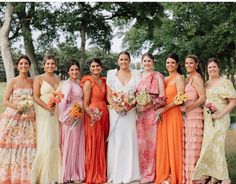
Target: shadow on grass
<point x="231" y="161"/>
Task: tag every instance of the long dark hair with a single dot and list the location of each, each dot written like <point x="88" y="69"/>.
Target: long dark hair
<point x="23" y="57"/>
<point x="148" y="55"/>
<point x="96" y="60"/>
<point x="197" y="61"/>
<point x="125" y="53"/>
<point x="72" y="62"/>
<point x="176" y="58"/>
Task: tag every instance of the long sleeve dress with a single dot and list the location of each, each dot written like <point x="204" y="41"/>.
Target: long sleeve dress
<point x="122" y="156"/>
<point x="96" y="134"/>
<point x="71" y="138"/>
<point x="147" y="129"/>
<point x="212" y="161"/>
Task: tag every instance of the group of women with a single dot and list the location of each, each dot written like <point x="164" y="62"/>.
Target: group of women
<point x="154" y="145"/>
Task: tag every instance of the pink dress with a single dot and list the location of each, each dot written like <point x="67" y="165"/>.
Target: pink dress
<point x="17" y="142"/>
<point x="193" y="134"/>
<point x="147" y="129"/>
<point x="71" y="138"/>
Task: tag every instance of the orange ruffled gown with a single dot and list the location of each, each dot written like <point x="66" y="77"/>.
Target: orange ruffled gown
<point x="169" y="140"/>
<point x="96" y="135"/>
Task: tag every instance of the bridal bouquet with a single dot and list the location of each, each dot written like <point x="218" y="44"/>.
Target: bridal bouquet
<point x="76" y="112"/>
<point x="142" y="98"/>
<point x="123" y="100"/>
<point x="54" y="100"/>
<point x="95" y="115"/>
<point x="180" y="98"/>
<point x="25" y="103"/>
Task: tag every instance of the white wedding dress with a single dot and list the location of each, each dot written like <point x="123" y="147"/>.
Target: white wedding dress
<point x="122" y="156"/>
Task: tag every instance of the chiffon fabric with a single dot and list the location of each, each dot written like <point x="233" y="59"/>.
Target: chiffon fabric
<point x="122" y="156"/>
<point x="146" y="130"/>
<point x="193" y="132"/>
<point x="212" y="161"/>
<point x="17" y="142"/>
<point x="71" y="137"/>
<point x="96" y="134"/>
<point x="169" y="156"/>
<point x="47" y="164"/>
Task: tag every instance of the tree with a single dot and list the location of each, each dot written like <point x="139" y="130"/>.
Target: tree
<point x="4" y="42"/>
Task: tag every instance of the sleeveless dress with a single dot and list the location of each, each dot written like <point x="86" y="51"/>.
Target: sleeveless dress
<point x="17" y="142"/>
<point x="212" y="161"/>
<point x="146" y="131"/>
<point x="123" y="161"/>
<point x="71" y="138"/>
<point x="193" y="132"/>
<point x="96" y="135"/>
<point x="47" y="163"/>
<point x="169" y="140"/>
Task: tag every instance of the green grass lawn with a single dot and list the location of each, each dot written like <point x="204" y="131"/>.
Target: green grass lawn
<point x="230" y="142"/>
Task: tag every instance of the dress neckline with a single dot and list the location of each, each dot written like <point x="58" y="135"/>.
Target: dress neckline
<point x="50" y="85"/>
<point x="127" y="82"/>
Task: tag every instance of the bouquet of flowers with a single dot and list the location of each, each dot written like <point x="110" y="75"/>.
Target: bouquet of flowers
<point x="123" y="100"/>
<point x="180" y="98"/>
<point x="76" y="112"/>
<point x="159" y="102"/>
<point x="54" y="100"/>
<point x="142" y="98"/>
<point x="210" y="109"/>
<point x="25" y="103"/>
<point x="95" y="115"/>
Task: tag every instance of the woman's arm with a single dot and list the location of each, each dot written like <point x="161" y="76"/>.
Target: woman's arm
<point x="180" y="84"/>
<point x="36" y="94"/>
<point x="7" y="95"/>
<point x="227" y="109"/>
<point x="198" y="83"/>
<point x="87" y="88"/>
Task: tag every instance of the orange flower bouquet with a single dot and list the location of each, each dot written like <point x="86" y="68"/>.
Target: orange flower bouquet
<point x="54" y="100"/>
<point x="76" y="112"/>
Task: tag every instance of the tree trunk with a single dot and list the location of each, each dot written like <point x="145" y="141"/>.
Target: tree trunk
<point x="82" y="49"/>
<point x="29" y="48"/>
<point x="4" y="42"/>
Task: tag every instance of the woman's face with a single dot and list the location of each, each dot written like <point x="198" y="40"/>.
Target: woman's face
<point x="23" y="66"/>
<point x="49" y="66"/>
<point x="190" y="65"/>
<point x="148" y="63"/>
<point x="123" y="61"/>
<point x="95" y="68"/>
<point x="213" y="70"/>
<point x="171" y="65"/>
<point x="74" y="72"/>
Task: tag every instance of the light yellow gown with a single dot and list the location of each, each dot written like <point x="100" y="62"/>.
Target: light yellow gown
<point x="212" y="161"/>
<point x="47" y="164"/>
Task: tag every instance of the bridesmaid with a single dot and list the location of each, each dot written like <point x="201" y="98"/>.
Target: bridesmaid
<point x="96" y="133"/>
<point x="72" y="138"/>
<point x="193" y="126"/>
<point x="153" y="82"/>
<point x="46" y="167"/>
<point x="221" y="93"/>
<point x="170" y="128"/>
<point x="122" y="155"/>
<point x="17" y="130"/>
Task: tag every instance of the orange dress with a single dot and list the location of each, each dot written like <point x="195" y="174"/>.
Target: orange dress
<point x="169" y="140"/>
<point x="96" y="135"/>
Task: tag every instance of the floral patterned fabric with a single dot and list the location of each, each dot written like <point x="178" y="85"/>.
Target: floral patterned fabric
<point x="17" y="142"/>
<point x="212" y="161"/>
<point x="146" y="131"/>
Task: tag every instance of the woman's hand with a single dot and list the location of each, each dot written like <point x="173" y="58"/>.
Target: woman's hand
<point x="216" y="115"/>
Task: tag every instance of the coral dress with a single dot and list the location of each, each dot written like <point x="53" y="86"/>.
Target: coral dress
<point x="169" y="140"/>
<point x="146" y="130"/>
<point x="96" y="135"/>
<point x="212" y="161"/>
<point x="193" y="132"/>
<point x="122" y="161"/>
<point x="47" y="164"/>
<point x="17" y="142"/>
<point x="71" y="138"/>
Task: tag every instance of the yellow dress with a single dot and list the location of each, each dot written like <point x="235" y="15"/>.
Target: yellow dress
<point x="46" y="167"/>
<point x="212" y="161"/>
